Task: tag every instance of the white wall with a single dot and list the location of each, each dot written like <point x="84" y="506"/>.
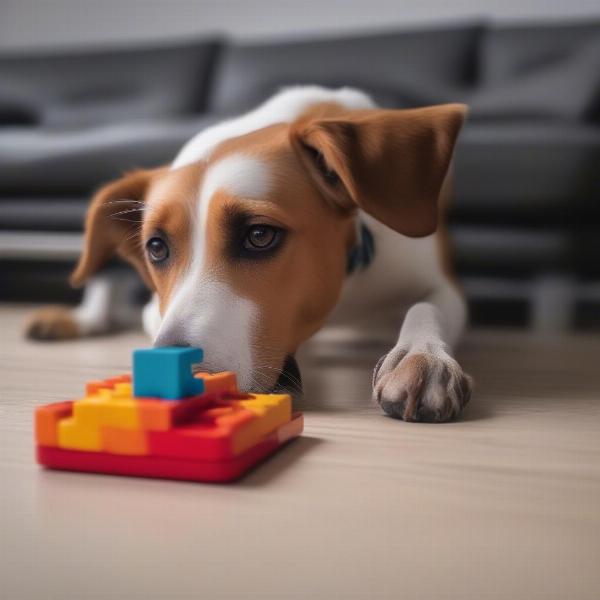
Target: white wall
<point x="43" y="23"/>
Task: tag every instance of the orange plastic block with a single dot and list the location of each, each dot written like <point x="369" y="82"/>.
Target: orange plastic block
<point x="124" y="441"/>
<point x="46" y="422"/>
<point x="216" y="383"/>
<point x="92" y="387"/>
<point x="155" y="415"/>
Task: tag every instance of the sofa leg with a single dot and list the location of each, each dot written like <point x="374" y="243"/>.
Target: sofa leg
<point x="553" y="303"/>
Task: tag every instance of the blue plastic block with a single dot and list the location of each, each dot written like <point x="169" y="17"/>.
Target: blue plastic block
<point x="166" y="372"/>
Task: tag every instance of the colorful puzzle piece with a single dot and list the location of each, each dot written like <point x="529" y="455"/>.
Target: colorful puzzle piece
<point x="160" y="425"/>
<point x="166" y="372"/>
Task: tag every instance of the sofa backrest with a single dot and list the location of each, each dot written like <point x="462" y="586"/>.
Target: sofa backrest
<point x="403" y="68"/>
<point x="512" y="51"/>
<point x="94" y="86"/>
<point x="542" y="72"/>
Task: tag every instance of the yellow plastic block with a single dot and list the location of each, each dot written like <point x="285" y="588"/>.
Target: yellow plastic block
<point x="107" y="408"/>
<point x="123" y="390"/>
<point x="94" y="412"/>
<point x="272" y="410"/>
<point x="73" y="436"/>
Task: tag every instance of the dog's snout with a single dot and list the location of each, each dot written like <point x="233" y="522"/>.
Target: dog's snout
<point x="160" y="344"/>
<point x="171" y="338"/>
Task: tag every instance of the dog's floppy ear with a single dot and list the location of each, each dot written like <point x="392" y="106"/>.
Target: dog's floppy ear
<point x="113" y="225"/>
<point x="390" y="163"/>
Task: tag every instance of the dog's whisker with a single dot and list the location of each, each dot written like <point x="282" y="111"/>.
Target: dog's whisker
<point x="125" y="220"/>
<point x="125" y="200"/>
<point x="129" y="210"/>
<point x="135" y="233"/>
<point x="296" y="384"/>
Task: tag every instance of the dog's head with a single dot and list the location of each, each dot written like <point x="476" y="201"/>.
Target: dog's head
<point x="245" y="237"/>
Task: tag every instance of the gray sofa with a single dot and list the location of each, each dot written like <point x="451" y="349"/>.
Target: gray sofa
<point x="525" y="220"/>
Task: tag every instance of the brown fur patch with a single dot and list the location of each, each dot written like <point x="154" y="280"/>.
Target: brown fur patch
<point x="52" y="323"/>
<point x="171" y="206"/>
<point x="391" y="163"/>
<point x="112" y="226"/>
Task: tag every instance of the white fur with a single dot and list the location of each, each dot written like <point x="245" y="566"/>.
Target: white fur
<point x="93" y="314"/>
<point x="106" y="304"/>
<point x="281" y="108"/>
<point x="204" y="310"/>
<point x="404" y="269"/>
<point x="151" y="318"/>
<point x="239" y="175"/>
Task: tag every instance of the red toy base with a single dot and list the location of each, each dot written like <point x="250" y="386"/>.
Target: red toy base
<point x="170" y="468"/>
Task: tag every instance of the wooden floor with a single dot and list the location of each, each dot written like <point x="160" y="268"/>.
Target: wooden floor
<point x="503" y="504"/>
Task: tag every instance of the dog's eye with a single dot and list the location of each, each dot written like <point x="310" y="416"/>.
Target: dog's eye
<point x="261" y="237"/>
<point x="157" y="249"/>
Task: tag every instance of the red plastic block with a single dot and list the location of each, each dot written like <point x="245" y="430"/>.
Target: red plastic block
<point x="46" y="422"/>
<point x="170" y="468"/>
<point x="218" y="433"/>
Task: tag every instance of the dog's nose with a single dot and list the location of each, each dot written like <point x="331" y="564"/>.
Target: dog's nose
<point x="290" y="380"/>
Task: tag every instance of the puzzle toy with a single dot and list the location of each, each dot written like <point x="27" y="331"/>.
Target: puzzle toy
<point x="165" y="422"/>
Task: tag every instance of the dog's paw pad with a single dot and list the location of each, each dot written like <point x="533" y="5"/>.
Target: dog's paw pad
<point x="421" y="386"/>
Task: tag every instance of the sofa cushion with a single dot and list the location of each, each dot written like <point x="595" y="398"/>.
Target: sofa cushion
<point x="47" y="161"/>
<point x="406" y="68"/>
<point x="97" y="86"/>
<point x="43" y="214"/>
<point x="543" y="172"/>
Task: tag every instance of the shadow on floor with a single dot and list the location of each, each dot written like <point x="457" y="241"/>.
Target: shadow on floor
<point x="278" y="463"/>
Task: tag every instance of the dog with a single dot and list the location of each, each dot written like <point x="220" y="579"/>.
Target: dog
<point x="316" y="205"/>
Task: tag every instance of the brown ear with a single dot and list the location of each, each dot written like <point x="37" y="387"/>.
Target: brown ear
<point x="390" y="163"/>
<point x="113" y="225"/>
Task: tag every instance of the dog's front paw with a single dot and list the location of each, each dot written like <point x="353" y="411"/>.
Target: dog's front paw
<point x="421" y="386"/>
<point x="52" y="323"/>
